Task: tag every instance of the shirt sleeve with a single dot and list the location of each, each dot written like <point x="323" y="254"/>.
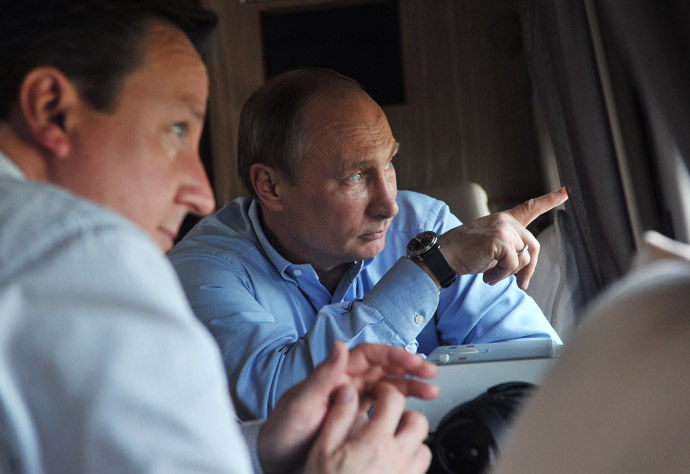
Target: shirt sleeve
<point x="111" y="371"/>
<point x="267" y="352"/>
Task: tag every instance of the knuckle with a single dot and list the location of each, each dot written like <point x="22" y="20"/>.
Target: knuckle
<point x="503" y="218"/>
<point x="535" y="246"/>
<point x="504" y="234"/>
<point x="383" y="447"/>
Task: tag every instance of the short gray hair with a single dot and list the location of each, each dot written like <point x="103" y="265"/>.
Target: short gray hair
<point x="272" y="129"/>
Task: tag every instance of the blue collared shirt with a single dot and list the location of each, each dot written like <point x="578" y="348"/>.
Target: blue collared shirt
<point x="103" y="366"/>
<point x="274" y="320"/>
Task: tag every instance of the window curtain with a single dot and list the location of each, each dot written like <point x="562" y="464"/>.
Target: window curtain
<point x="567" y="89"/>
<point x="652" y="40"/>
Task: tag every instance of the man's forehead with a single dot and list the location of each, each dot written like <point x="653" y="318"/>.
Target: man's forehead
<point x="173" y="68"/>
<point x="356" y="118"/>
<point x="371" y="152"/>
<point x="169" y="47"/>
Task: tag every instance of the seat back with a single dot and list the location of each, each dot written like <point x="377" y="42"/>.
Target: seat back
<point x="617" y="399"/>
<point x="467" y="200"/>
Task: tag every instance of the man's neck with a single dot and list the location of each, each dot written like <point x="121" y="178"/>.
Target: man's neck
<point x="329" y="277"/>
<point x="30" y="161"/>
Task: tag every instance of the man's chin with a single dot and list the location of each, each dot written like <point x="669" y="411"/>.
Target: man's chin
<point x="164" y="240"/>
<point x="164" y="246"/>
<point x="370" y="251"/>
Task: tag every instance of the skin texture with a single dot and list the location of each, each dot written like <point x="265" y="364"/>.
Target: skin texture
<point x="342" y="203"/>
<point x="141" y="160"/>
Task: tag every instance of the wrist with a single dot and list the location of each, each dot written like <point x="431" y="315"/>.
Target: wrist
<point x="425" y="247"/>
<point x="425" y="268"/>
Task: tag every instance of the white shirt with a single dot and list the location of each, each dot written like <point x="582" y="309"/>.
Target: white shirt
<point x="103" y="367"/>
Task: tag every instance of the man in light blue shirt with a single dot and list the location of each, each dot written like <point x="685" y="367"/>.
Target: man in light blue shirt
<point x="280" y="275"/>
<point x="103" y="366"/>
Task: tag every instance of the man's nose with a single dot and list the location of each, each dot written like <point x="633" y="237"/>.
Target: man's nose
<point x="383" y="200"/>
<point x="196" y="192"/>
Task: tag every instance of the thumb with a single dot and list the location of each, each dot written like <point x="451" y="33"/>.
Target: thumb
<point x="529" y="210"/>
<point x="329" y="374"/>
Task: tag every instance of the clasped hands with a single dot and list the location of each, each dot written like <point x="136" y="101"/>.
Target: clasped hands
<point x="326" y="424"/>
<point x="499" y="245"/>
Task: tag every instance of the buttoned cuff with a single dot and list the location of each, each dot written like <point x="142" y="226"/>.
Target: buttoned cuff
<point x="406" y="297"/>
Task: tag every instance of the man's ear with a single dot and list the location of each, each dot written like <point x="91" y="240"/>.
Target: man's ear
<point x="46" y="100"/>
<point x="267" y="183"/>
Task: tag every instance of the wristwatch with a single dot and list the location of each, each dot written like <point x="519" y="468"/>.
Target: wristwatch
<point x="425" y="247"/>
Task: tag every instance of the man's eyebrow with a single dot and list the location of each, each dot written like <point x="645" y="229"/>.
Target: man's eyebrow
<point x="192" y="103"/>
<point x="198" y="114"/>
<point x="364" y="163"/>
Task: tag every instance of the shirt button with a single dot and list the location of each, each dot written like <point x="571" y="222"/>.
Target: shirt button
<point x="298" y="272"/>
<point x="418" y="318"/>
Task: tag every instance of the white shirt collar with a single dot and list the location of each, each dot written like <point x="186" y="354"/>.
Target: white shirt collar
<point x="9" y="169"/>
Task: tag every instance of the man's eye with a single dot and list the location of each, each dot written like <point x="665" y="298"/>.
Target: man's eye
<point x="389" y="165"/>
<point x="354" y="178"/>
<point x="179" y="129"/>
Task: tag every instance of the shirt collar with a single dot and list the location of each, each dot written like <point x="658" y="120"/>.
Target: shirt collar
<point x="9" y="169"/>
<point x="276" y="259"/>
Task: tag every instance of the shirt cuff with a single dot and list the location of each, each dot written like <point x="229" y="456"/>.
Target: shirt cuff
<point x="250" y="432"/>
<point x="406" y="297"/>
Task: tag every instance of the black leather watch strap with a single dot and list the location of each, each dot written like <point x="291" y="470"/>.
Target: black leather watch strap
<point x="437" y="263"/>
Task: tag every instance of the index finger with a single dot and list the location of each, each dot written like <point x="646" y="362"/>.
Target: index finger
<point x="391" y="359"/>
<point x="529" y="210"/>
<point x="411" y="387"/>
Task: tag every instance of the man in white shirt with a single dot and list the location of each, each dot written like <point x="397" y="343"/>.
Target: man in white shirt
<point x="103" y="367"/>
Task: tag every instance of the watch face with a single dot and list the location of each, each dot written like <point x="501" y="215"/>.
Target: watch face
<point x="420" y="243"/>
